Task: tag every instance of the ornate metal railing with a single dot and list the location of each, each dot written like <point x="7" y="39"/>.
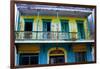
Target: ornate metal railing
<point x="53" y="35"/>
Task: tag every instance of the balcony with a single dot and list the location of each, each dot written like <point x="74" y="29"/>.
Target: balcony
<point x="53" y="35"/>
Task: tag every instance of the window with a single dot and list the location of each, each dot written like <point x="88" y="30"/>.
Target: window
<point x="46" y="28"/>
<point x="28" y="24"/>
<point x="80" y="27"/>
<point x="80" y="56"/>
<point x="57" y="59"/>
<point x="28" y="59"/>
<point x="64" y="26"/>
<point x="28" y="28"/>
<point x="47" y="25"/>
<point x="56" y="56"/>
<point x="65" y="29"/>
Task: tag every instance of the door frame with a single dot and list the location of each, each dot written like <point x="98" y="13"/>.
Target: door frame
<point x="54" y="48"/>
<point x="82" y="22"/>
<point x="45" y="35"/>
<point x="68" y="29"/>
<point x="30" y="20"/>
<point x="49" y="20"/>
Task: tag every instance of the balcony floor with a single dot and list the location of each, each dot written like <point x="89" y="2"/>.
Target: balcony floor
<point x="53" y="41"/>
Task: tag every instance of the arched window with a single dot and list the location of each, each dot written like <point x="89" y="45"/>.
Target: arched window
<point x="56" y="56"/>
<point x="57" y="52"/>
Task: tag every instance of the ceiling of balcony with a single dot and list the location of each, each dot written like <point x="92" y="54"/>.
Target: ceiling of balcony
<point x="26" y="9"/>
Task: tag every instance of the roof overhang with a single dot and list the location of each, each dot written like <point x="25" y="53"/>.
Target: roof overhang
<point x="32" y="9"/>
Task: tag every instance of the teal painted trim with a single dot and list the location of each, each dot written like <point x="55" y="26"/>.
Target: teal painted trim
<point x="80" y="21"/>
<point x="18" y="27"/>
<point x="49" y="20"/>
<point x="29" y="20"/>
<point x="64" y="20"/>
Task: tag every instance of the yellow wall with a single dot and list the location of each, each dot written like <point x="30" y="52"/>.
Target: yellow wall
<point x="54" y="23"/>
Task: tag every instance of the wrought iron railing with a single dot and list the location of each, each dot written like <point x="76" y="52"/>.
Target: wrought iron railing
<point x="53" y="35"/>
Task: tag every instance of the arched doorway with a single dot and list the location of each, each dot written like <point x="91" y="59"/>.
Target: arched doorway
<point x="57" y="56"/>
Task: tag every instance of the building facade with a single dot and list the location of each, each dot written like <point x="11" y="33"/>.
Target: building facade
<point x="46" y="34"/>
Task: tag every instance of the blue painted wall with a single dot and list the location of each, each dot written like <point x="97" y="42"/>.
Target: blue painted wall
<point x="44" y="51"/>
<point x="70" y="54"/>
<point x="89" y="52"/>
<point x="43" y="59"/>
